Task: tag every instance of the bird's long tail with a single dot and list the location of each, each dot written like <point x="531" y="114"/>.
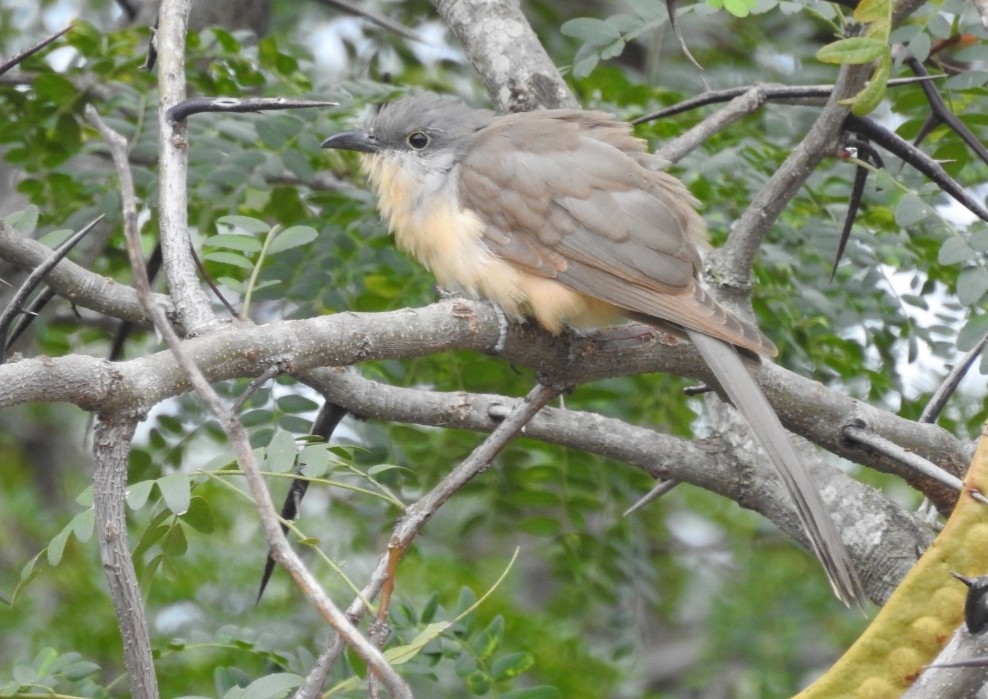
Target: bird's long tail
<point x="739" y="385"/>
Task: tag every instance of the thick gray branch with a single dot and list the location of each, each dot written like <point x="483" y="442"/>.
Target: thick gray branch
<point x="805" y="407"/>
<point x="506" y="53"/>
<point x="111" y="448"/>
<point x="191" y="302"/>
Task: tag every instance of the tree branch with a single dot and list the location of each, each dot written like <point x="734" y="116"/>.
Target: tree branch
<point x="191" y="302"/>
<point x="75" y="283"/>
<point x="506" y="53"/>
<point x="111" y="448"/>
<point x="711" y="464"/>
<point x="416" y="515"/>
<point x="805" y="407"/>
<point x="729" y="268"/>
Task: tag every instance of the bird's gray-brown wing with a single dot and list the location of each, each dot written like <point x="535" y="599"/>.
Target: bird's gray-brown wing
<point x="578" y="202"/>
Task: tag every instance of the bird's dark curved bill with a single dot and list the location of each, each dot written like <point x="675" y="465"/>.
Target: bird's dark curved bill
<point x="360" y="141"/>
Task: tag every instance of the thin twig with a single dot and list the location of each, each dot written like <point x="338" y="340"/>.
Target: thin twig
<point x="678" y="32"/>
<point x="108" y="488"/>
<point x="237" y="435"/>
<point x="741" y="106"/>
<point x="383" y="21"/>
<point x="951" y="381"/>
<point x="23" y="322"/>
<point x="326" y="422"/>
<point x="869" y="155"/>
<point x="211" y="283"/>
<point x="732" y="265"/>
<point x="660" y="489"/>
<point x="74" y="282"/>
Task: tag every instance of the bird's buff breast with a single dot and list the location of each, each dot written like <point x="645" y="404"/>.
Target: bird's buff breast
<point x="449" y="241"/>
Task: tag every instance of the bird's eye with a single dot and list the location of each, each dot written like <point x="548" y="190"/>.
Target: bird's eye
<point x="418" y="140"/>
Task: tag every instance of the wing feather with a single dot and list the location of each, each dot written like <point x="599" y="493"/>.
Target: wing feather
<point x="621" y="231"/>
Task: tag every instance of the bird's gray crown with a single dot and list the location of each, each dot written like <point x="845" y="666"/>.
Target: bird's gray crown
<point x="447" y="122"/>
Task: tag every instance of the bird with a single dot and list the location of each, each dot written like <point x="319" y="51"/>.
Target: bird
<point x="564" y="217"/>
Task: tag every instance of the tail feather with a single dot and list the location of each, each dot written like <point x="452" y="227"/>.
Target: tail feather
<point x="739" y="385"/>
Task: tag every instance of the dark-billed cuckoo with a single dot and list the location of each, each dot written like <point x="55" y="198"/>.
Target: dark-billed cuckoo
<point x="563" y="216"/>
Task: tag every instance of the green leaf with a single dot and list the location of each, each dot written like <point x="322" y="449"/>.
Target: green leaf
<point x="429" y="609"/>
<point x="83" y="525"/>
<point x="176" y="491"/>
<point x="402" y="654"/>
<point x="137" y="494"/>
<point x="540" y="526"/>
<point x="381" y="468"/>
<point x="956" y="250"/>
<point x="855" y="50"/>
<point x="488" y="641"/>
<point x="511" y="665"/>
<point x="246" y="223"/>
<point x="272" y="686"/>
<point x="465" y="664"/>
<point x="626" y="24"/>
<point x="292" y="237"/>
<point x="281" y="452"/>
<point x="972" y="285"/>
<point x="593" y="31"/>
<point x="150" y="536"/>
<point x="294" y="403"/>
<point x="541" y="692"/>
<point x="869" y="11"/>
<point x="57" y="545"/>
<point x="479" y="682"/>
<point x="229" y="258"/>
<point x="315" y="460"/>
<point x="740" y="8"/>
<point x="972" y="332"/>
<point x="649" y="10"/>
<point x="175" y="543"/>
<point x="910" y="210"/>
<point x="23" y="221"/>
<point x="233" y="241"/>
<point x="200" y="516"/>
<point x="872" y="95"/>
<point x="979" y="240"/>
<point x="585" y="60"/>
<point x="613" y="50"/>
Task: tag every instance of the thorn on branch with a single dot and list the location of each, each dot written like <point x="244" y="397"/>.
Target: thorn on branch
<point x="9" y="63"/>
<point x="196" y="105"/>
<point x="940" y="113"/>
<point x="772" y="93"/>
<point x="857" y="432"/>
<point x="655" y="493"/>
<point x="855" y="148"/>
<point x="951" y="381"/>
<point x="907" y="152"/>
